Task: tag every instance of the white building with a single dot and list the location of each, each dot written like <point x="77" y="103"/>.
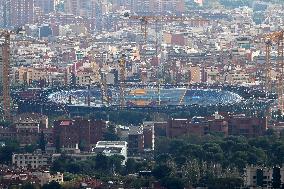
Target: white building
<point x="31" y="160"/>
<point x="261" y="177"/>
<point x="110" y="148"/>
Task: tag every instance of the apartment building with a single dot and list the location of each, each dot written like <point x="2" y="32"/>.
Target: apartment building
<point x="110" y="148"/>
<point x="263" y="177"/>
<point x="83" y="132"/>
<point x="31" y="160"/>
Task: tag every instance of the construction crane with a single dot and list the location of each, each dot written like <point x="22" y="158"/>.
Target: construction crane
<point x="146" y="20"/>
<point x="104" y="89"/>
<point x="122" y="80"/>
<point x="5" y="47"/>
<point x="271" y="39"/>
<point x="181" y="100"/>
<point x="100" y="79"/>
<point x="5" y="35"/>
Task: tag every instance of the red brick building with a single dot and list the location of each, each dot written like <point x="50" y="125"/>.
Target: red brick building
<point x="27" y="128"/>
<point x="83" y="132"/>
<point x="135" y="140"/>
<point x="226" y="125"/>
<point x="247" y="126"/>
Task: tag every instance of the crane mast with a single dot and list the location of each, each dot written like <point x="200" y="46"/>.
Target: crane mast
<point x="271" y="39"/>
<point x="122" y="80"/>
<point x="6" y="74"/>
<point x="146" y="20"/>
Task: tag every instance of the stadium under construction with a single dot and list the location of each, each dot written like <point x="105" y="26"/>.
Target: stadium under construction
<point x="146" y="97"/>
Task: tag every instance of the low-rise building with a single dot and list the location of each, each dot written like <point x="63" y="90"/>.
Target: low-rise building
<point x="110" y="148"/>
<point x="226" y="125"/>
<point x="247" y="126"/>
<point x="83" y="132"/>
<point x="27" y="128"/>
<point x="31" y="160"/>
<point x="46" y="177"/>
<point x="20" y="177"/>
<point x="263" y="177"/>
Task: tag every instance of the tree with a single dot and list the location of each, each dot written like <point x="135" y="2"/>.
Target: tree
<point x="276" y="178"/>
<point x="102" y="162"/>
<point x="161" y="171"/>
<point x="110" y="134"/>
<point x="28" y="186"/>
<point x="52" y="185"/>
<point x="225" y="183"/>
<point x="172" y="183"/>
<point x="130" y="166"/>
<point x="57" y="144"/>
<point x="115" y="162"/>
<point x="7" y="151"/>
<point x="42" y="141"/>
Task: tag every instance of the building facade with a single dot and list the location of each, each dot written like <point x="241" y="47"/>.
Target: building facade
<point x="78" y="132"/>
<point x="31" y="160"/>
<point x="264" y="177"/>
<point x="19" y="12"/>
<point x="46" y="6"/>
<point x="110" y="148"/>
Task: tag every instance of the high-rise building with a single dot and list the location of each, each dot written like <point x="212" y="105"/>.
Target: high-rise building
<point x="18" y="12"/>
<point x="144" y="6"/>
<point x="2" y="13"/>
<point x="85" y="8"/>
<point x="158" y="6"/>
<point x="5" y="13"/>
<point x="175" y="6"/>
<point x="46" y="6"/>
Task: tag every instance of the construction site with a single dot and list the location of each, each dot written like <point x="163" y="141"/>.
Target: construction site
<point x="147" y="61"/>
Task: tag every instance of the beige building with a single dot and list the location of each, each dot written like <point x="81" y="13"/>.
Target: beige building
<point x="213" y="75"/>
<point x="195" y="74"/>
<point x="46" y="177"/>
<point x="167" y="38"/>
<point x="83" y="78"/>
<point x="24" y="75"/>
<point x="28" y="75"/>
<point x="237" y="77"/>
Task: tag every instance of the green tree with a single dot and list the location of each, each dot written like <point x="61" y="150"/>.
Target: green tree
<point x="115" y="162"/>
<point x="172" y="183"/>
<point x="102" y="162"/>
<point x="7" y="151"/>
<point x="42" y="141"/>
<point x="130" y="166"/>
<point x="110" y="134"/>
<point x="28" y="186"/>
<point x="52" y="185"/>
<point x="161" y="171"/>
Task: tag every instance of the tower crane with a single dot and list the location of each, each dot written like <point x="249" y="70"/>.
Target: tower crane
<point x="181" y="100"/>
<point x="122" y="80"/>
<point x="5" y="46"/>
<point x="100" y="79"/>
<point x="104" y="89"/>
<point x="146" y="20"/>
<point x="271" y="39"/>
<point x="5" y="35"/>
